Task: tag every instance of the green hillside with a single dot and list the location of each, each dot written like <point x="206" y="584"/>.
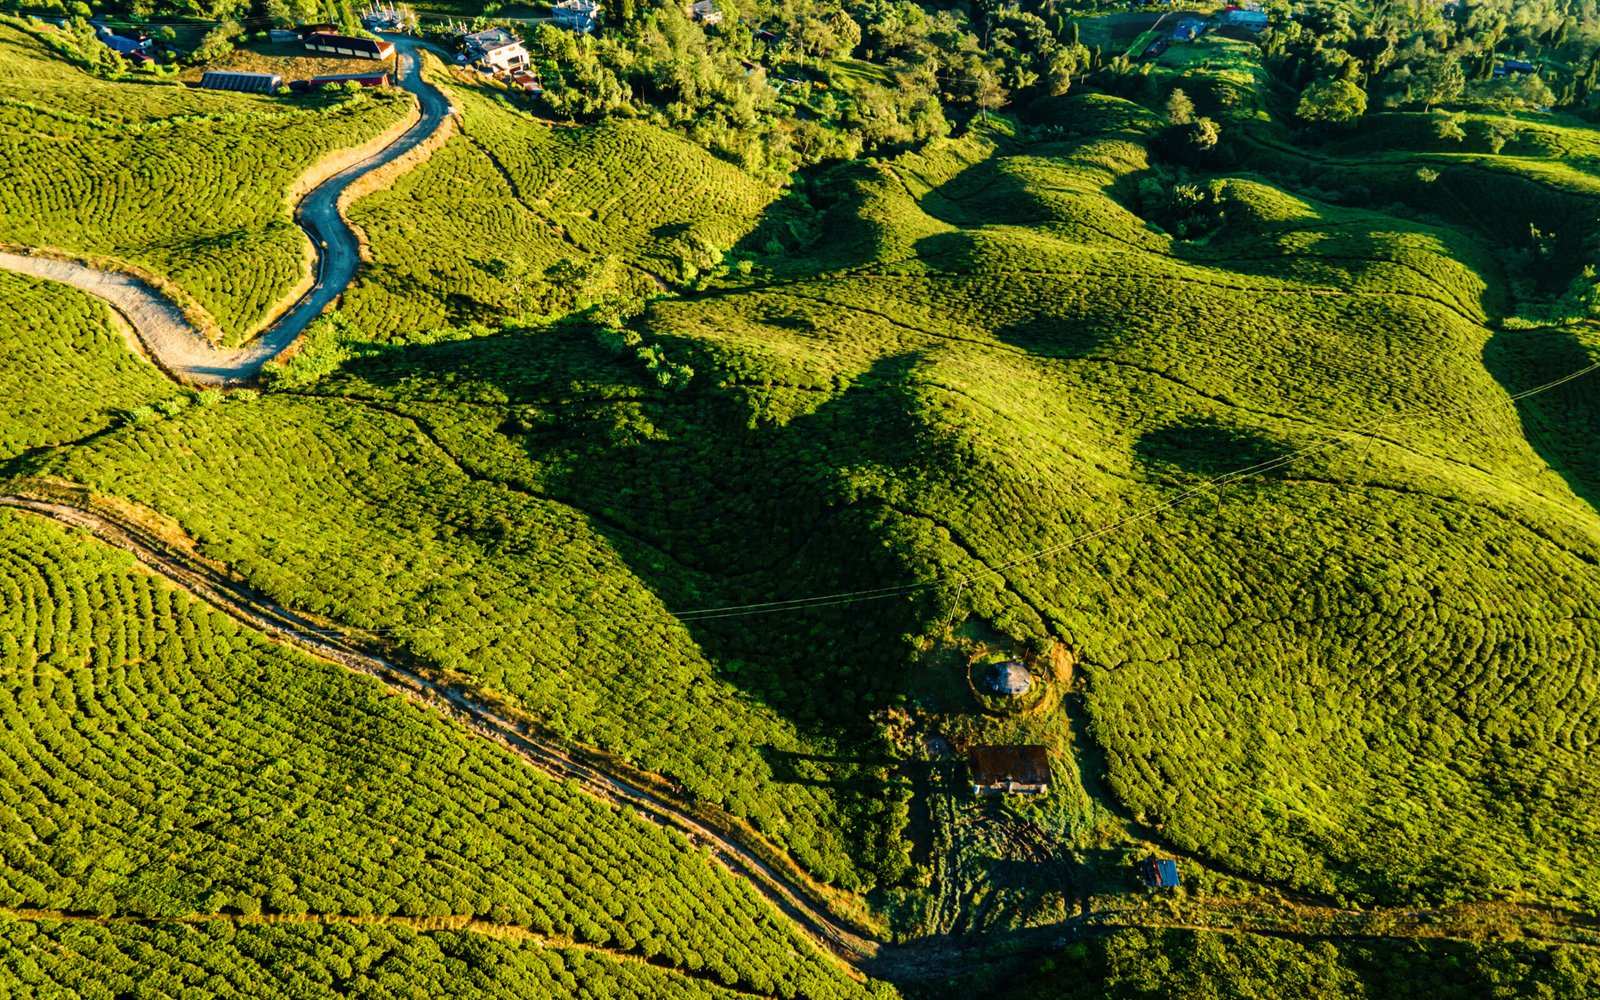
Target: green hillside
<point x="64" y="364"/>
<point x="188" y="184"/>
<point x="162" y="763"/>
<point x="1261" y="437"/>
<point x="514" y="216"/>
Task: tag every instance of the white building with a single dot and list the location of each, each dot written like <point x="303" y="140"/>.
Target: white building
<point x="498" y="49"/>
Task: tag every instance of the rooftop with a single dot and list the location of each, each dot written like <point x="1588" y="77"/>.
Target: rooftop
<point x="1010" y="678"/>
<point x="491" y="38"/>
<point x="1160" y="873"/>
<point x="1024" y="765"/>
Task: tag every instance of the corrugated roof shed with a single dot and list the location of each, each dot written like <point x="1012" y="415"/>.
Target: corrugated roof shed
<point x="349" y="45"/>
<point x="1160" y="873"/>
<point x="253" y="83"/>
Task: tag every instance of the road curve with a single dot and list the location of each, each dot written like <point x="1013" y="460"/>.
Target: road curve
<point x="327" y="642"/>
<point x="173" y="342"/>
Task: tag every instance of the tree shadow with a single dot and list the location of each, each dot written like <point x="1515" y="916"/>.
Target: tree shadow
<point x="712" y="508"/>
<point x="1563" y="423"/>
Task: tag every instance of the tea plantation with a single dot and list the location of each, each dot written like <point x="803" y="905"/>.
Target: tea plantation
<point x="58" y="337"/>
<point x="161" y="763"/>
<point x="1263" y="440"/>
<point x="188" y="184"/>
<point x="514" y="216"/>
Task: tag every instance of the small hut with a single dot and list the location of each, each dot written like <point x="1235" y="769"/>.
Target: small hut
<point x="1009" y="770"/>
<point x="1160" y="873"/>
<point x="1009" y="678"/>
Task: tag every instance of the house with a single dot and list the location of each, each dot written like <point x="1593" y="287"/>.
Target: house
<point x="498" y="49"/>
<point x="250" y="83"/>
<point x="125" y="45"/>
<point x="527" y="82"/>
<point x="361" y="79"/>
<point x="348" y="46"/>
<point x="1010" y="678"/>
<point x="384" y="18"/>
<point x="1188" y="29"/>
<point x="1017" y="770"/>
<point x="1519" y="66"/>
<point x="281" y="36"/>
<point x="577" y="15"/>
<point x="1159" y="873"/>
<point x="1241" y="17"/>
<point x="705" y="12"/>
<point x="1155" y="49"/>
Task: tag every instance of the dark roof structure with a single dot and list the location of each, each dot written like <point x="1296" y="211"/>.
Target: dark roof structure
<point x="1008" y="678"/>
<point x="250" y="83"/>
<point x="1160" y="873"/>
<point x="1012" y="765"/>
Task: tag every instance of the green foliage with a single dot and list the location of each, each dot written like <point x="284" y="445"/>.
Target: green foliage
<point x="1331" y="102"/>
<point x="63" y="366"/>
<point x="528" y="573"/>
<point x="1146" y="965"/>
<point x="253" y="961"/>
<point x="215" y="773"/>
<point x="513" y="218"/>
<point x="189" y="184"/>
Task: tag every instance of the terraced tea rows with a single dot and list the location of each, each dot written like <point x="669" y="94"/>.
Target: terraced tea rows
<point x="160" y="763"/>
<point x="64" y="341"/>
<point x="193" y="190"/>
<point x="222" y="959"/>
<point x="473" y="235"/>
<point x="1034" y="361"/>
<point x="488" y="570"/>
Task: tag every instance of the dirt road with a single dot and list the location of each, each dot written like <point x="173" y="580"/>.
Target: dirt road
<point x="326" y="641"/>
<point x="169" y="338"/>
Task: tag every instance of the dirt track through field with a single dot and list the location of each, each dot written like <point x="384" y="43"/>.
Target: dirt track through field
<point x="162" y="329"/>
<point x="324" y="641"/>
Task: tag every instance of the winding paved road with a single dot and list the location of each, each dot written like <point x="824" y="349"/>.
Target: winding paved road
<point x="160" y="324"/>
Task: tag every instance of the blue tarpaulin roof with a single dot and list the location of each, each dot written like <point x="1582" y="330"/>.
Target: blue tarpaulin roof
<point x="1161" y="873"/>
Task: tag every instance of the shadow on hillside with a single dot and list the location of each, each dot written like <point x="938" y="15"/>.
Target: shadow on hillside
<point x="710" y="507"/>
<point x="1207" y="447"/>
<point x="868" y="776"/>
<point x="1561" y="424"/>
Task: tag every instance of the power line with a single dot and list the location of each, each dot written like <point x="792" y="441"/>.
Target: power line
<point x="963" y="580"/>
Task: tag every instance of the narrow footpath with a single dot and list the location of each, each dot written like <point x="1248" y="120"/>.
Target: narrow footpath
<point x="159" y="323"/>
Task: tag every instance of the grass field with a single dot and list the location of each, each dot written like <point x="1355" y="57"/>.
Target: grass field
<point x="189" y="184"/>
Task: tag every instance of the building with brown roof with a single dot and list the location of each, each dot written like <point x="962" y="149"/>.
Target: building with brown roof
<point x="1011" y="770"/>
